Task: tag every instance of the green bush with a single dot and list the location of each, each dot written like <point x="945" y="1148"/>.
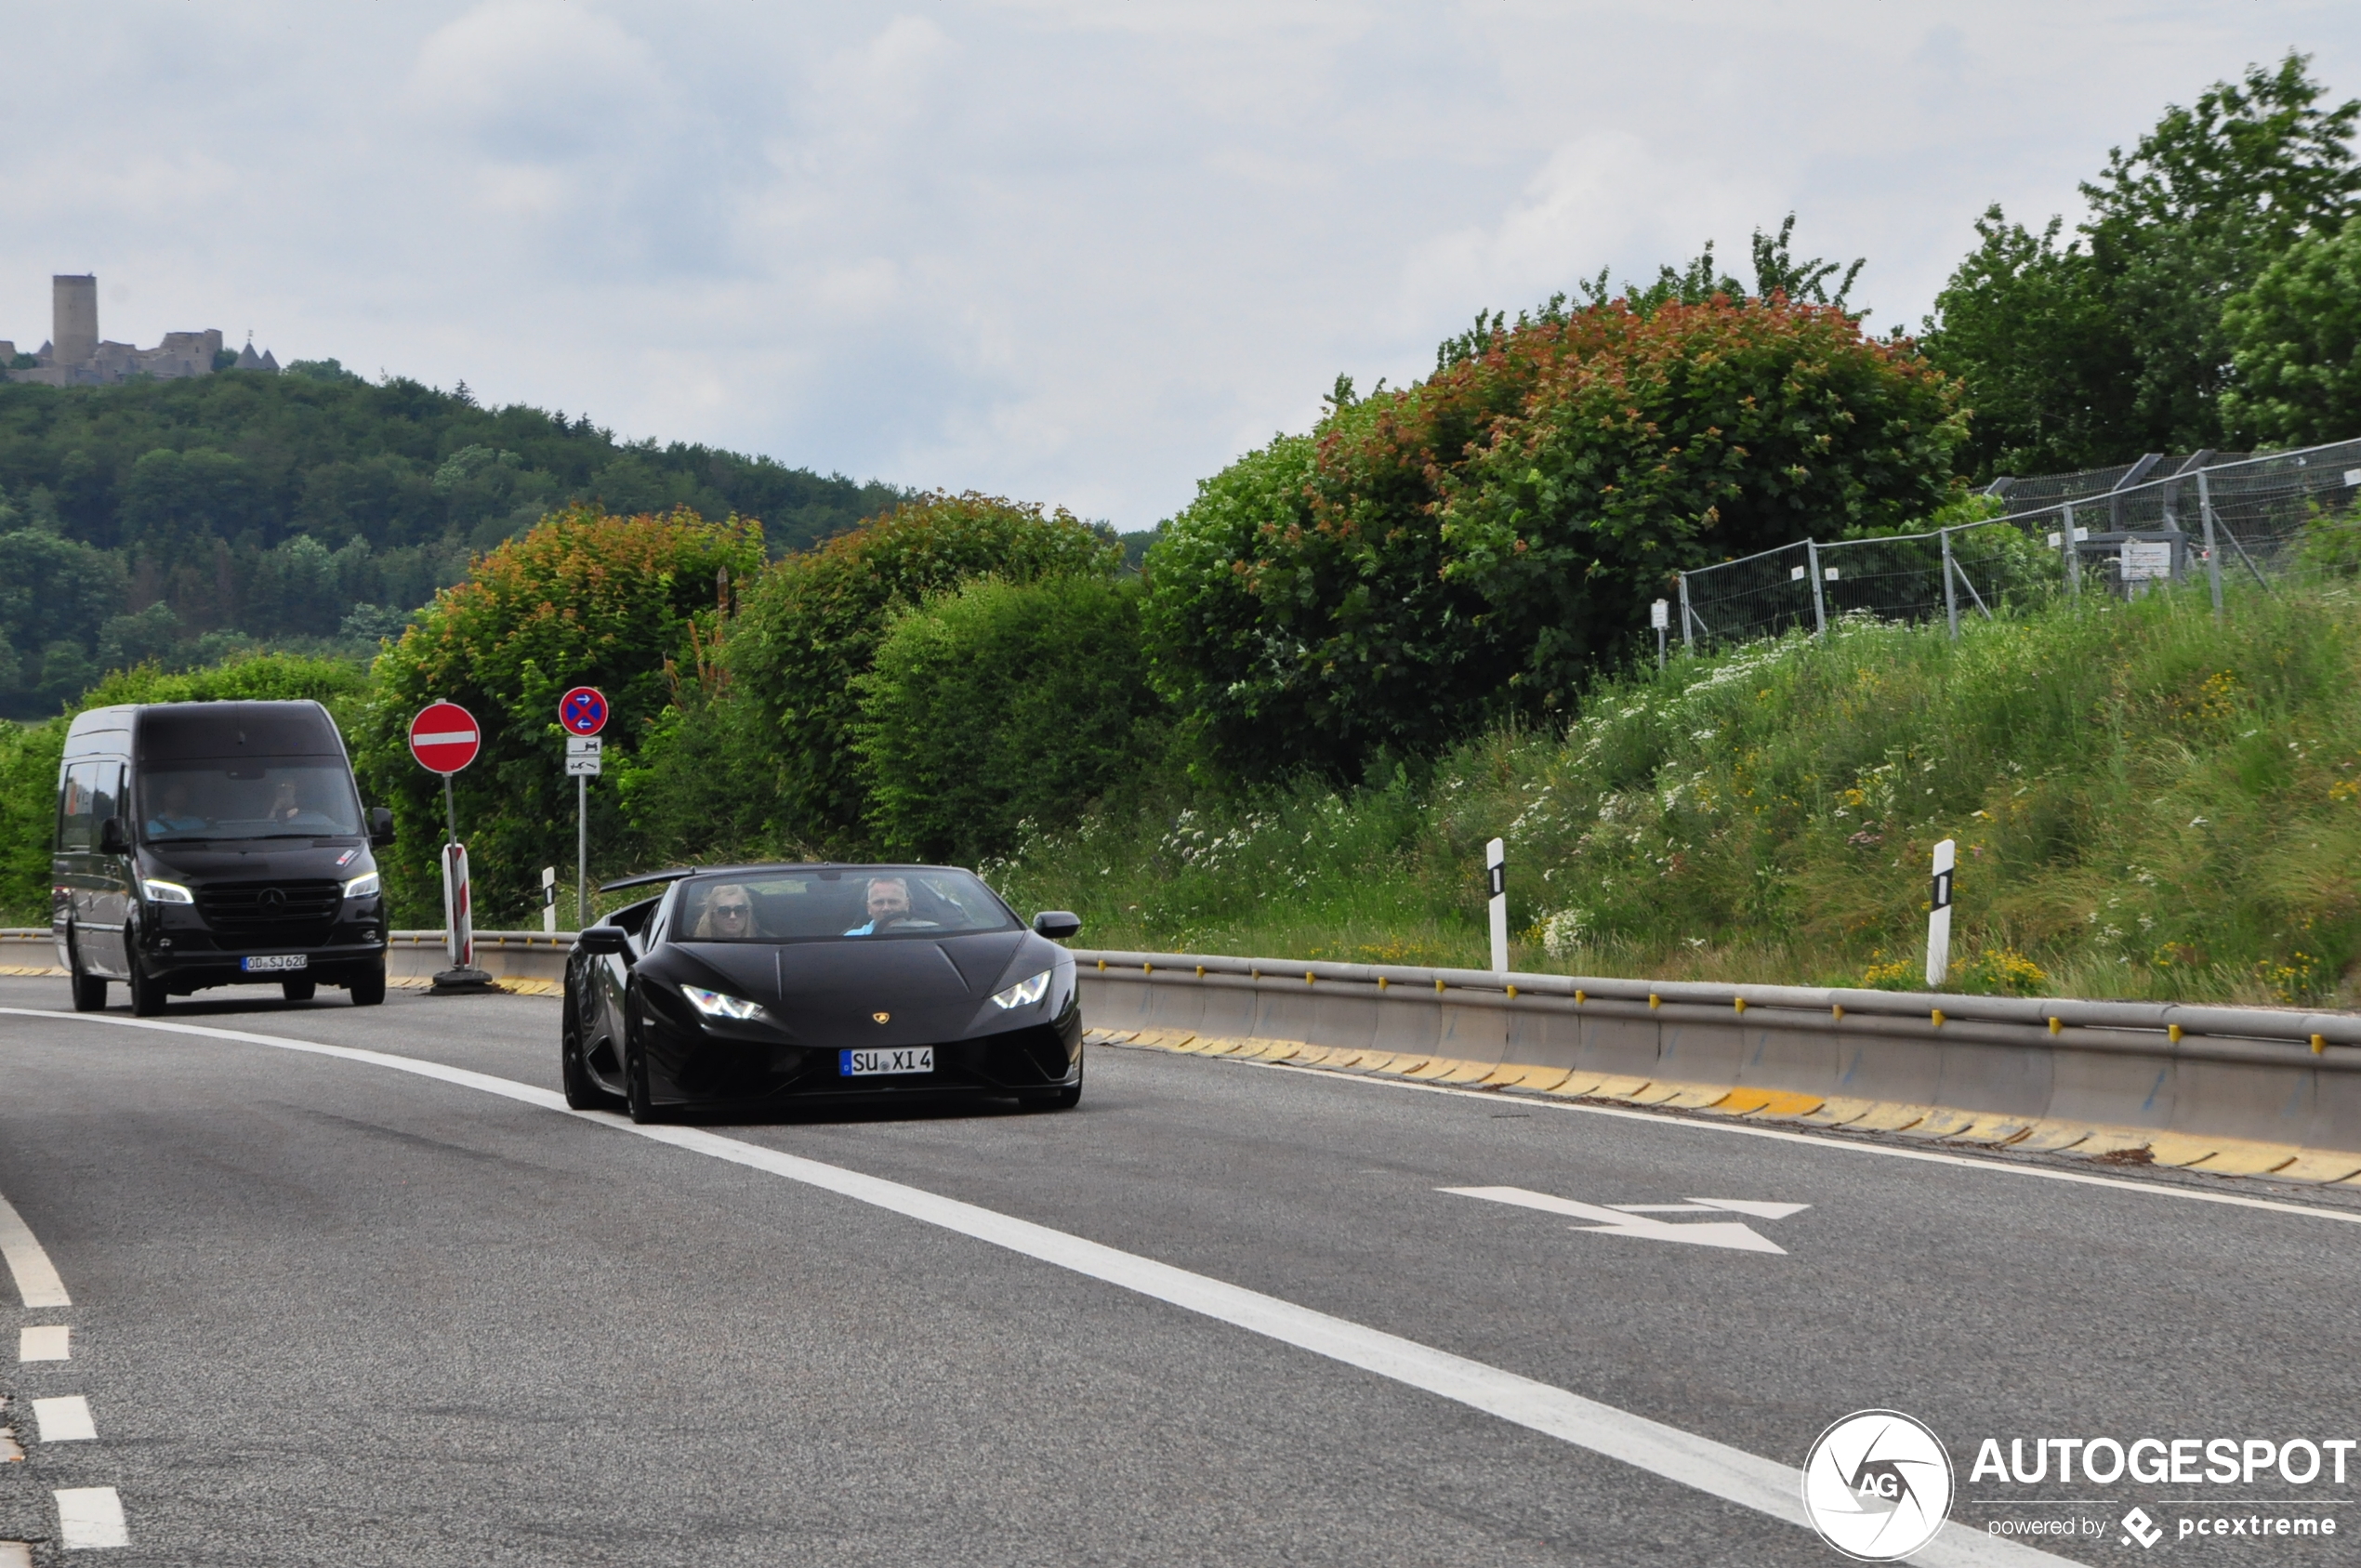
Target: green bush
<point x="1002" y="705"/>
<point x="813" y="624"/>
<point x="582" y="599"/>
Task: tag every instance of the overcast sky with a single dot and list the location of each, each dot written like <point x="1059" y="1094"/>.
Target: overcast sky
<point x="1061" y="252"/>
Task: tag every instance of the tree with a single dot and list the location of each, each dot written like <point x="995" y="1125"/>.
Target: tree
<point x="1002" y="704"/>
<point x="2297" y="332"/>
<point x="2115" y="344"/>
<point x="1471" y="547"/>
<point x="584" y="599"/>
<point x="814" y="623"/>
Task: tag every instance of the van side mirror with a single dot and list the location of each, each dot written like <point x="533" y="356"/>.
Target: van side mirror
<point x="1057" y="924"/>
<point x="112" y="839"/>
<point x="603" y="942"/>
<point x="380" y="827"/>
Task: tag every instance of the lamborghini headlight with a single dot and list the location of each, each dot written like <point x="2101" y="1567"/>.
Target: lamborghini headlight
<point x="1024" y="993"/>
<point x="714" y="1004"/>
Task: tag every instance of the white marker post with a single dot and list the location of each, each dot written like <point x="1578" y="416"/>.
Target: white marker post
<point x="549" y="899"/>
<point x="1939" y="914"/>
<point x="1496" y="866"/>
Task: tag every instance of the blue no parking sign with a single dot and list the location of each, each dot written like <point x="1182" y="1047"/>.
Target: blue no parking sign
<point x="583" y="711"/>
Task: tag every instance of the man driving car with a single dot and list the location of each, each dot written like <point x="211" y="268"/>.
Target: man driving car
<point x="889" y="907"/>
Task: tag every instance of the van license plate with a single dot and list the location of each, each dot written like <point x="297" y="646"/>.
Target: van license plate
<point x="271" y="963"/>
<point x="871" y="1065"/>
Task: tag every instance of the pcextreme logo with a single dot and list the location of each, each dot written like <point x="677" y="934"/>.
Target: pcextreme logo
<point x="1877" y="1485"/>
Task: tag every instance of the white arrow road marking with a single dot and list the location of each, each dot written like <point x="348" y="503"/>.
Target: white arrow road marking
<point x="1747" y="1206"/>
<point x="1621" y="1221"/>
<point x="1715" y="1469"/>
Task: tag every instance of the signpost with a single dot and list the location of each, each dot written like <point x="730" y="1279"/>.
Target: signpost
<point x="1660" y="618"/>
<point x="445" y="738"/>
<point x="1496" y="870"/>
<point x="1939" y="913"/>
<point x="582" y="713"/>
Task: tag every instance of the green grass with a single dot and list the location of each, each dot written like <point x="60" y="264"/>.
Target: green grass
<point x="2147" y="801"/>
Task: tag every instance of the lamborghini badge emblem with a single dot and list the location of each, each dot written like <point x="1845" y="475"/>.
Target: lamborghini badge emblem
<point x="880" y="1017"/>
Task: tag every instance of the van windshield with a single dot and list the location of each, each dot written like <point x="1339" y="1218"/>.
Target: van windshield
<point x="282" y="798"/>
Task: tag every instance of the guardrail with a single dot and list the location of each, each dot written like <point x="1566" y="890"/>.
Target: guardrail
<point x="2282" y="1078"/>
<point x="2279" y="1076"/>
<point x="413" y="955"/>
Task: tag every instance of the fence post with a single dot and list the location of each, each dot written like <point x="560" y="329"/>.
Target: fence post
<point x="2213" y="549"/>
<point x="2073" y="556"/>
<point x="1950" y="594"/>
<point x="1819" y="604"/>
<point x="1688" y="638"/>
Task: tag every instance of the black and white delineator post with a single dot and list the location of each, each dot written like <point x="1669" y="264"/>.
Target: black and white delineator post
<point x="1939" y="914"/>
<point x="549" y="899"/>
<point x="1496" y="867"/>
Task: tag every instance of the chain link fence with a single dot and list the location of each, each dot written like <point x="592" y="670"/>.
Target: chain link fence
<point x="2120" y="529"/>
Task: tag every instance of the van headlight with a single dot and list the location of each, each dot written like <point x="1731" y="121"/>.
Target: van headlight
<point x="364" y="886"/>
<point x="161" y="892"/>
<point x="716" y="1004"/>
<point x="1024" y="993"/>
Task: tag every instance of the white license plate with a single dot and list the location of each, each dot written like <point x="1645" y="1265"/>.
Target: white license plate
<point x="872" y="1064"/>
<point x="271" y="963"/>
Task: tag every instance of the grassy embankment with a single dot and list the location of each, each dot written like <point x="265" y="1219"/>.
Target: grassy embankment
<point x="2147" y="802"/>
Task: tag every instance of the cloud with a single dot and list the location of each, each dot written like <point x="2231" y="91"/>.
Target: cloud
<point x="1058" y="249"/>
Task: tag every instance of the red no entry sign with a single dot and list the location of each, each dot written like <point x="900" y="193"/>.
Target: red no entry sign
<point x="443" y="738"/>
<point x="583" y="711"/>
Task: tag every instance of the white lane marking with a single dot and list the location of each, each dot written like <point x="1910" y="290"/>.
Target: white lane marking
<point x="64" y="1419"/>
<point x="1716" y="1469"/>
<point x="48" y="1342"/>
<point x="1619" y="1222"/>
<point x="36" y="1277"/>
<point x="1779" y="1135"/>
<point x="90" y="1516"/>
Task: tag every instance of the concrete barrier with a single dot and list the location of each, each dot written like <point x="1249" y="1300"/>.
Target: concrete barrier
<point x="2288" y="1079"/>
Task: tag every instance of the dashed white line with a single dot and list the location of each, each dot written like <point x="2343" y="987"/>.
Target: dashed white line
<point x="46" y="1342"/>
<point x="36" y="1278"/>
<point x="1716" y="1469"/>
<point x="64" y="1419"/>
<point x="90" y="1516"/>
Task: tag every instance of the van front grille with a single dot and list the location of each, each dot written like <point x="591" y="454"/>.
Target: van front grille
<point x="251" y="913"/>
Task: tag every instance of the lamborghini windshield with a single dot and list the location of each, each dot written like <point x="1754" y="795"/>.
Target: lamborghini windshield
<point x="840" y="902"/>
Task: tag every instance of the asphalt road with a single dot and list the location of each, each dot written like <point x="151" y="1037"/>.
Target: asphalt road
<point x="328" y="1312"/>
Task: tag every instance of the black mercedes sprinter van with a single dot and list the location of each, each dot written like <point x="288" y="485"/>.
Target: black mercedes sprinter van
<point x="206" y="844"/>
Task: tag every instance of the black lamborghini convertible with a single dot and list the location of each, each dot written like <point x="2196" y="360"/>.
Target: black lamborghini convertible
<point x="766" y="982"/>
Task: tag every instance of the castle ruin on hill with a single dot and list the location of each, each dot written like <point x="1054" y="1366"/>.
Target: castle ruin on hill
<point x="76" y="356"/>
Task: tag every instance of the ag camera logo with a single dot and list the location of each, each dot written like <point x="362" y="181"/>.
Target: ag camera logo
<point x="1877" y="1485"/>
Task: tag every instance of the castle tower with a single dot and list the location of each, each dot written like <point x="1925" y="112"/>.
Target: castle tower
<point x="73" y="303"/>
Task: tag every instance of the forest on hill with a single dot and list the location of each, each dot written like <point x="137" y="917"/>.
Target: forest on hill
<point x="178" y="523"/>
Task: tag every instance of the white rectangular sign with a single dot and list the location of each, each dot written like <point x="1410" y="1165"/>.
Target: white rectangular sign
<point x="583" y="766"/>
<point x="582" y="746"/>
<point x="2146" y="560"/>
<point x="1660" y="615"/>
